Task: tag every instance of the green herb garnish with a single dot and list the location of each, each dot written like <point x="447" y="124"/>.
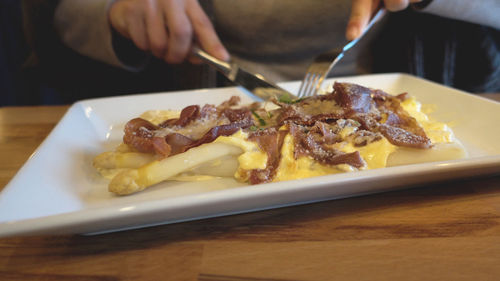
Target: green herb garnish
<point x="286" y="98"/>
<point x="262" y="122"/>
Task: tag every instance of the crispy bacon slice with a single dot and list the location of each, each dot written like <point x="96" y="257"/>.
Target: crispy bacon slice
<point x="306" y="143"/>
<point x="161" y="147"/>
<point x="401" y="137"/>
<point x="315" y="124"/>
<point x="310" y="110"/>
<point x="326" y="132"/>
<point x="178" y="143"/>
<point x="139" y="134"/>
<point x="187" y="115"/>
<point x="239" y="115"/>
<point x="367" y="107"/>
<point x="233" y="100"/>
<point x="215" y="132"/>
<point x="353" y="98"/>
<point x="269" y="140"/>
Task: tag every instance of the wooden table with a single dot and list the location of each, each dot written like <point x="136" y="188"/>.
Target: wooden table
<point x="446" y="231"/>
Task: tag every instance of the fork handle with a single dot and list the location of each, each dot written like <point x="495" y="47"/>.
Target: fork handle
<point x="377" y="17"/>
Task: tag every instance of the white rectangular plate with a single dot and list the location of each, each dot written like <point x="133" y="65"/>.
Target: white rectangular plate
<point x="58" y="191"/>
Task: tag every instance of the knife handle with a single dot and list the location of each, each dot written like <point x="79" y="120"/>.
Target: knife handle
<point x="220" y="65"/>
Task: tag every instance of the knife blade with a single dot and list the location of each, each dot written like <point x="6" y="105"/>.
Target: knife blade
<point x="256" y="84"/>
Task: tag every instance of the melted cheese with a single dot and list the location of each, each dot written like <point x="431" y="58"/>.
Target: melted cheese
<point x="445" y="146"/>
<point x="251" y="158"/>
<point x="437" y="132"/>
<point x="304" y="167"/>
<point x="377" y="154"/>
<point x="158" y="116"/>
<point x="195" y="130"/>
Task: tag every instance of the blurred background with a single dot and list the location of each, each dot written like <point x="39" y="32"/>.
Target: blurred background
<point x="35" y="68"/>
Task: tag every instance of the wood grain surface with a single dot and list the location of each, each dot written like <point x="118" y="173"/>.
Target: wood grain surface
<point x="444" y="231"/>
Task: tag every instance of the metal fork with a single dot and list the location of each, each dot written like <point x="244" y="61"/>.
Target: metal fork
<point x="323" y="63"/>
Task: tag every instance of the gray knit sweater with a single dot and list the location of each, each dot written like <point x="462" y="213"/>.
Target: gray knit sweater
<point x="277" y="38"/>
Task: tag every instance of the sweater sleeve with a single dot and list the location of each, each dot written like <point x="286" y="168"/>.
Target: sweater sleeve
<point x="484" y="12"/>
<point x="83" y="26"/>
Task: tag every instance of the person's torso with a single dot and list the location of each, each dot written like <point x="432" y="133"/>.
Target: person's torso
<point x="280" y="30"/>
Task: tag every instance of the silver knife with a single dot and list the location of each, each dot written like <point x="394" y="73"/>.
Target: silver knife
<point x="254" y="83"/>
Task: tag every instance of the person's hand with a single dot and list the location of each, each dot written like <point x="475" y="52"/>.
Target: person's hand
<point x="362" y="11"/>
<point x="166" y="28"/>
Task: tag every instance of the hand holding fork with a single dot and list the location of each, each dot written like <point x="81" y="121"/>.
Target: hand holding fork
<point x="359" y="23"/>
<point x="324" y="63"/>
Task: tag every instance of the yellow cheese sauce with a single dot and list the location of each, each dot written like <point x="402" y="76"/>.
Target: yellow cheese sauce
<point x="377" y="154"/>
<point x="144" y="160"/>
<point x="445" y="146"/>
<point x="437" y="132"/>
<point x="158" y="116"/>
<point x="303" y="167"/>
<point x="251" y="158"/>
<point x="374" y="154"/>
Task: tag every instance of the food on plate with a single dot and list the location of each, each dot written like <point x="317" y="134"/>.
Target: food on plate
<point x="350" y="128"/>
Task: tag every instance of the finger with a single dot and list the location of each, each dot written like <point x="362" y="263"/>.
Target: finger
<point x="156" y="31"/>
<point x="194" y="59"/>
<point x="415" y="1"/>
<point x="137" y="31"/>
<point x="396" y="5"/>
<point x="361" y="11"/>
<point x="119" y="12"/>
<point x="205" y="32"/>
<point x="180" y="33"/>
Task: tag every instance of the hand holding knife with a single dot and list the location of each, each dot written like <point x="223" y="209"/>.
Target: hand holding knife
<point x="254" y="83"/>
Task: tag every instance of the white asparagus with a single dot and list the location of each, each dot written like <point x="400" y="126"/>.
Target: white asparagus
<point x="116" y="160"/>
<point x="223" y="167"/>
<point x="134" y="180"/>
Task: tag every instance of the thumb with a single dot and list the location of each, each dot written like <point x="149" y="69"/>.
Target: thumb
<point x="361" y="11"/>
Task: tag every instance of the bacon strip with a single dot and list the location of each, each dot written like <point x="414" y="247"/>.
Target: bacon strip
<point x="270" y="141"/>
<point x="315" y="124"/>
<point x="187" y="115"/>
<point x="399" y="128"/>
<point x="178" y="143"/>
<point x="215" y="132"/>
<point x="161" y="147"/>
<point x="354" y="98"/>
<point x="400" y="137"/>
<point x="139" y="134"/>
<point x="307" y="144"/>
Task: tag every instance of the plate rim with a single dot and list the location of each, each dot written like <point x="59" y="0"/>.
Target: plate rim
<point x="59" y="223"/>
